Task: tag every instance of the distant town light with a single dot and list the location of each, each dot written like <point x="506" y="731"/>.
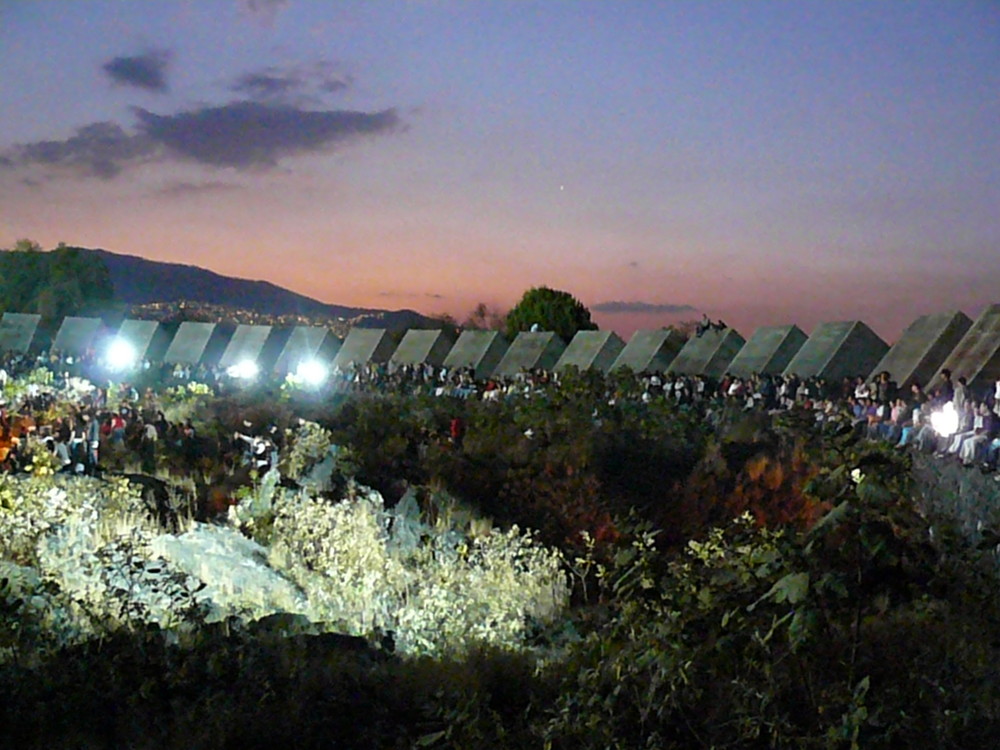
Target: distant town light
<point x="121" y="355"/>
<point x="246" y="369"/>
<point x="945" y="420"/>
<point x="311" y="372"/>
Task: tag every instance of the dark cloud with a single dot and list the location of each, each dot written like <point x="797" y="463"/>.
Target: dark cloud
<point x="641" y="307"/>
<point x="146" y="71"/>
<point x="101" y="149"/>
<point x="297" y="84"/>
<point x="241" y="135"/>
<point x="180" y="189"/>
<point x="249" y="134"/>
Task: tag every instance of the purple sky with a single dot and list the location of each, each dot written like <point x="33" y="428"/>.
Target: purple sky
<point x="764" y="162"/>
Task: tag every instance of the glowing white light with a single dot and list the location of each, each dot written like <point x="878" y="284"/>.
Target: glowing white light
<point x="311" y="372"/>
<point x="121" y="355"/>
<point x="945" y="420"/>
<point x="246" y="369"/>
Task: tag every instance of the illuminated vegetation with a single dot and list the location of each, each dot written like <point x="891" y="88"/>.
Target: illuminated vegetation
<point x="761" y="585"/>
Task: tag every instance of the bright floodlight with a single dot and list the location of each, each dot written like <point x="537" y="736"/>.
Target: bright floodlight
<point x="311" y="372"/>
<point x="945" y="420"/>
<point x="246" y="369"/>
<point x="121" y="355"/>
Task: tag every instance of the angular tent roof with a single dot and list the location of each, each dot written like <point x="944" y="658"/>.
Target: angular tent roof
<point x="650" y="350"/>
<point x="364" y="345"/>
<point x="77" y="335"/>
<point x="148" y="338"/>
<point x="198" y="343"/>
<point x="423" y="346"/>
<point x="768" y="351"/>
<point x="708" y="354"/>
<point x="480" y="350"/>
<point x="261" y="344"/>
<point x="838" y="349"/>
<point x="923" y="348"/>
<point x="977" y="355"/>
<point x="307" y="343"/>
<point x="17" y="331"/>
<point x="596" y="350"/>
<point x="530" y="351"/>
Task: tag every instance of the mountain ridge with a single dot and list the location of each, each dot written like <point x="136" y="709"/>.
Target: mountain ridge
<point x="141" y="281"/>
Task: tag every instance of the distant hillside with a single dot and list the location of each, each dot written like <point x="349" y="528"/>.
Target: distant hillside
<point x="139" y="281"/>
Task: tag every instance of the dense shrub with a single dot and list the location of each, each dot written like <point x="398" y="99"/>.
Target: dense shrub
<point x="769" y="586"/>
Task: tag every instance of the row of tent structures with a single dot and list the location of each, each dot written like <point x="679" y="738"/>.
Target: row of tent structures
<point x="834" y="350"/>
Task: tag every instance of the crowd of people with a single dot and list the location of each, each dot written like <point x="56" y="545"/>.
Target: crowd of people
<point x="952" y="421"/>
<point x="135" y="423"/>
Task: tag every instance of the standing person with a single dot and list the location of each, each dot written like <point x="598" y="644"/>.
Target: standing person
<point x="457" y="431"/>
<point x="117" y="429"/>
<point x="62" y="434"/>
<point x="93" y="443"/>
<point x="960" y="394"/>
<point x="78" y="443"/>
<point x="189" y="443"/>
<point x="148" y="448"/>
<point x="946" y="391"/>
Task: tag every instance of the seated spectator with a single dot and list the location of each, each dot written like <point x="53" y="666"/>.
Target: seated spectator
<point x="877" y="415"/>
<point x="973" y="449"/>
<point x="899" y="416"/>
<point x="911" y="430"/>
<point x="969" y="421"/>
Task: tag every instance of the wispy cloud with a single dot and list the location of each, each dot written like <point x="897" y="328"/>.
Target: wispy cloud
<point x="101" y="149"/>
<point x="146" y="71"/>
<point x="268" y="84"/>
<point x="298" y="84"/>
<point x="182" y="189"/>
<point x="616" y="307"/>
<point x="428" y="295"/>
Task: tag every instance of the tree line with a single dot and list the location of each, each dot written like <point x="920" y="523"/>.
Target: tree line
<point x="64" y="281"/>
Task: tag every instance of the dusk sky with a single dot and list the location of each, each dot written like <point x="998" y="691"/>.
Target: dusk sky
<point x="763" y="162"/>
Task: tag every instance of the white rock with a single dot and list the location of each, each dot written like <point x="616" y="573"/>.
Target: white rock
<point x="234" y="569"/>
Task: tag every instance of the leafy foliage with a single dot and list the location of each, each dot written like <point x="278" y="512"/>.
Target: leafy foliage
<point x="770" y="586"/>
<point x="842" y="635"/>
<point x="550" y="310"/>
<point x="53" y="284"/>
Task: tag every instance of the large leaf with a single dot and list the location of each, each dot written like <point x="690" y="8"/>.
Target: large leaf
<point x="792" y="588"/>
